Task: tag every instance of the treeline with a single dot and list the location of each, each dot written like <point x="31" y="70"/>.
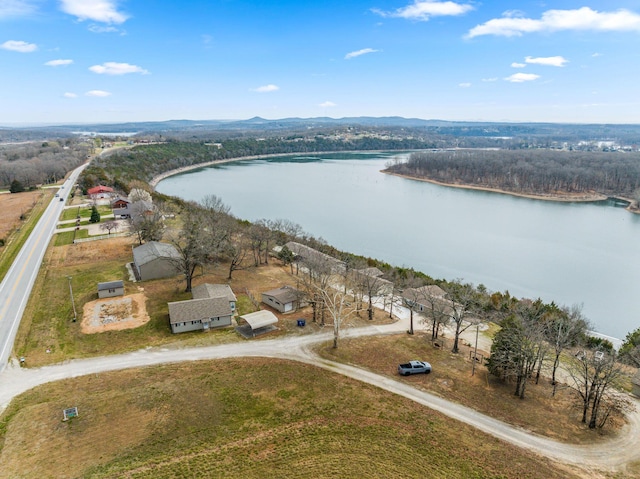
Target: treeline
<point x="38" y="163"/>
<point x="529" y="171"/>
<point x="147" y="161"/>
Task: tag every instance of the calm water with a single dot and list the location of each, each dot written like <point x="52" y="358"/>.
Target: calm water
<point x="571" y="253"/>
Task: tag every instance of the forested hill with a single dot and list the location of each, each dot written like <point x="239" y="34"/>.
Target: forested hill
<point x="147" y="161"/>
<point x="538" y="172"/>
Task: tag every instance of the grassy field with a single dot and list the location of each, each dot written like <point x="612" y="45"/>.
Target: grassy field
<point x="246" y="418"/>
<point x="557" y="417"/>
<point x="15" y="230"/>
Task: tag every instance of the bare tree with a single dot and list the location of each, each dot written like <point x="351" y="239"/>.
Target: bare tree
<point x="237" y="254"/>
<point x="191" y="244"/>
<point x="369" y="283"/>
<point x="463" y="300"/>
<point x="145" y="222"/>
<point x="109" y="226"/>
<point x="594" y="375"/>
<point x="563" y="329"/>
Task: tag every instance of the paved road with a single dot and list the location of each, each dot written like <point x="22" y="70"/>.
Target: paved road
<point x="609" y="456"/>
<point x="16" y="286"/>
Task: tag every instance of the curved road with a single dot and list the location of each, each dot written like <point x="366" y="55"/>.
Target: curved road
<point x="14" y="380"/>
<point x="16" y="285"/>
<point x="610" y="456"/>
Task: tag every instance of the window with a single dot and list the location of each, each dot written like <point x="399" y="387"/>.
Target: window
<point x="112" y="290"/>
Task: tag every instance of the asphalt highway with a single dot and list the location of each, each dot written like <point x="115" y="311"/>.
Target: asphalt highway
<point x="17" y="284"/>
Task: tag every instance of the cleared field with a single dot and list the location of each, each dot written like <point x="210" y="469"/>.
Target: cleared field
<point x="249" y="418"/>
<point x="557" y="417"/>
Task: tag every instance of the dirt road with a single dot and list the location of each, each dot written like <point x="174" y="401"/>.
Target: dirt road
<point x="611" y="456"/>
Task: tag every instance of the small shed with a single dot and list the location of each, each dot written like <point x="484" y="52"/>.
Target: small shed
<point x="260" y="320"/>
<point x="110" y="289"/>
<point x="285" y="299"/>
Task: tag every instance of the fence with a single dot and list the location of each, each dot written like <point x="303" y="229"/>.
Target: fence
<point x="99" y="237"/>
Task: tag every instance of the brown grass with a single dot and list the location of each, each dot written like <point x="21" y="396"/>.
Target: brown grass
<point x="556" y="416"/>
<point x="14" y="205"/>
<point x="243" y="418"/>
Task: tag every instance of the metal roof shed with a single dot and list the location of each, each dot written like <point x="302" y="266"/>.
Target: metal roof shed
<point x="260" y="319"/>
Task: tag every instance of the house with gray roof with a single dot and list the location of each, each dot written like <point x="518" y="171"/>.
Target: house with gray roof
<point x="285" y="299"/>
<point x="212" y="306"/>
<point x="155" y="260"/>
<point x="314" y="259"/>
<point x="199" y="314"/>
<point x="208" y="290"/>
<point x="422" y="298"/>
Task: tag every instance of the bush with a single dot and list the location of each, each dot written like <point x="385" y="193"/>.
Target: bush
<point x="16" y="187"/>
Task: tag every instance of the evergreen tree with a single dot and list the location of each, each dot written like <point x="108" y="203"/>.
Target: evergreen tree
<point x="16" y="187"/>
<point x="95" y="216"/>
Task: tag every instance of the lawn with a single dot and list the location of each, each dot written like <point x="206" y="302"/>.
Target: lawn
<point x="244" y="418"/>
<point x="47" y="333"/>
<point x="84" y="212"/>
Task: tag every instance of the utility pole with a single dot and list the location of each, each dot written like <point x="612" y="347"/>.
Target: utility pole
<point x="475" y="352"/>
<point x="75" y="316"/>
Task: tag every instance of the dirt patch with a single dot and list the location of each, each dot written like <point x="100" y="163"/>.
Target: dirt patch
<point x="114" y="314"/>
<point x="12" y="206"/>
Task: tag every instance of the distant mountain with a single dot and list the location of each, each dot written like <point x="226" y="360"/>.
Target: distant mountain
<point x="399" y="125"/>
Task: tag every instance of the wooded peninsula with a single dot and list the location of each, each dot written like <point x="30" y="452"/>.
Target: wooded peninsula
<point x="543" y="173"/>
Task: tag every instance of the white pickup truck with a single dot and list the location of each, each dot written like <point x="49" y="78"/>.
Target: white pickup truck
<point x="414" y="367"/>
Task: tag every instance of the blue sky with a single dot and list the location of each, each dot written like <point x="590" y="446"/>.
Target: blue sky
<point x="139" y="60"/>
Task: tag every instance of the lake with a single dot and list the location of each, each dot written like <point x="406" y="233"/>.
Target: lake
<point x="570" y="253"/>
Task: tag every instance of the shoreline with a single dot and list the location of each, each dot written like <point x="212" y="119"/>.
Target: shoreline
<point x="162" y="176"/>
<point x="582" y="198"/>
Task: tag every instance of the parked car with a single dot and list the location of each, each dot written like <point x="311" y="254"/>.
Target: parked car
<point x="414" y="367"/>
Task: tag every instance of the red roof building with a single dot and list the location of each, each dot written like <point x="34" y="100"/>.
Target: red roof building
<point x="98" y="190"/>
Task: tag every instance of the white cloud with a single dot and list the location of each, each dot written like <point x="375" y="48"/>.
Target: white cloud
<point x="522" y="77"/>
<point x="58" y="63"/>
<point x="98" y="93"/>
<point x="70" y="95"/>
<point x="327" y="104"/>
<point x="490" y="79"/>
<point x="518" y="65"/>
<point x="105" y="11"/>
<point x="102" y="29"/>
<point x="583" y="18"/>
<point x="16" y="8"/>
<point x="19" y="46"/>
<point x="556" y="61"/>
<point x="114" y="68"/>
<point x="425" y="9"/>
<point x="464" y="85"/>
<point x="357" y="53"/>
<point x="596" y="55"/>
<point x="266" y="88"/>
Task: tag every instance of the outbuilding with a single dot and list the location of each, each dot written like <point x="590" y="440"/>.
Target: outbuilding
<point x="285" y="299"/>
<point x="155" y="260"/>
<point x="110" y="289"/>
<point x="261" y="321"/>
